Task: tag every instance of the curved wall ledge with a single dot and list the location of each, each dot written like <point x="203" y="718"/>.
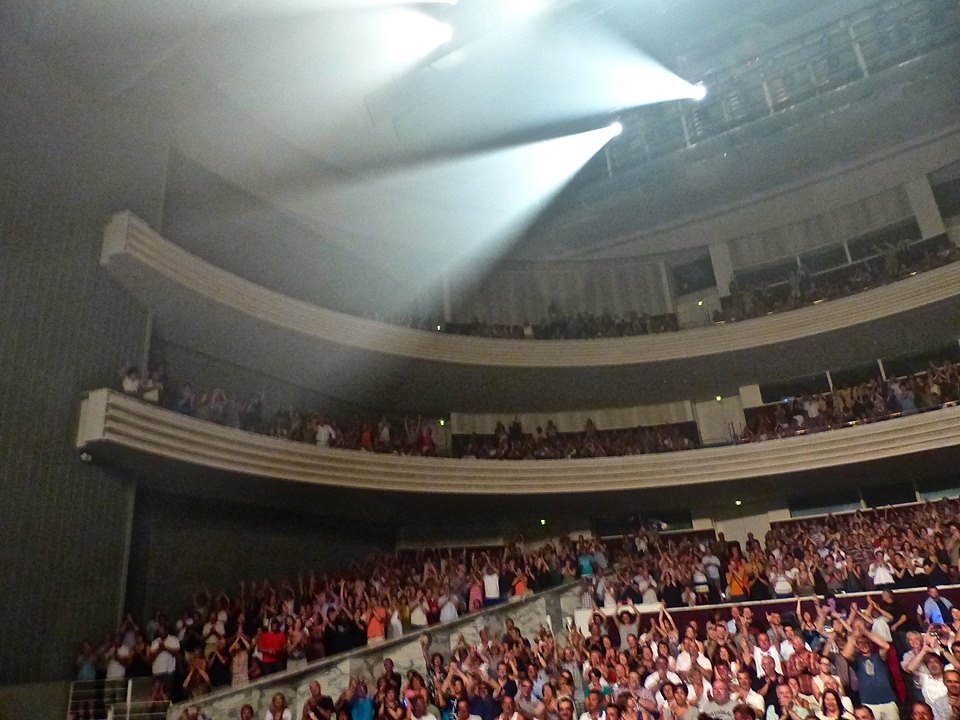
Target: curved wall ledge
<point x="109" y="418"/>
<point x="135" y="253"/>
<point x="207" y="309"/>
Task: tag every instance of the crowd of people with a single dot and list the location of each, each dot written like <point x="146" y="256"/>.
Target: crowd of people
<point x="227" y="641"/>
<point x="876" y="550"/>
<point x="223" y="640"/>
<point x="873" y="400"/>
<point x="512" y="443"/>
<point x="868" y="657"/>
<point x="555" y="325"/>
<point x="748" y="299"/>
<point x="889" y="263"/>
<point x="403" y="435"/>
<point x="876" y="399"/>
<point x="566" y="326"/>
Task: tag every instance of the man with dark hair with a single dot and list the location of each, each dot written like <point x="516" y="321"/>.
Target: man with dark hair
<point x="463" y="711"/>
<point x="482" y="702"/>
<point x="921" y="711"/>
<point x="273" y="648"/>
<point x="594" y="704"/>
<point x="391" y="675"/>
<point x="867" y="654"/>
<point x="508" y="709"/>
<point x="743" y="711"/>
<point x="936" y="609"/>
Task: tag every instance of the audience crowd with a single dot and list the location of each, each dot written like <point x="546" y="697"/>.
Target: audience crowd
<point x="867" y="657"/>
<point x="748" y="299"/>
<point x="870" y="401"/>
<point x="227" y="641"/>
<point x="868" y="650"/>
<point x="399" y="435"/>
<point x="892" y="262"/>
<point x="581" y="326"/>
<point x="873" y="400"/>
<point x="514" y="444"/>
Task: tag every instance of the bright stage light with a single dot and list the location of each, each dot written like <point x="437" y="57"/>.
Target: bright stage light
<point x="516" y="10"/>
<point x="698" y="92"/>
<point x="411" y="36"/>
<point x="553" y="162"/>
<point x="481" y="200"/>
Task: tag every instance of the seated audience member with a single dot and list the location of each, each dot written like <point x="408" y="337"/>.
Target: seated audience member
<point x="595" y="704"/>
<point x="318" y="706"/>
<point x="786" y="707"/>
<point x="278" y="709"/>
<point x="833" y="708"/>
<point x="920" y="710"/>
<point x="721" y="704"/>
<point x="926" y="666"/>
<point x="947" y="707"/>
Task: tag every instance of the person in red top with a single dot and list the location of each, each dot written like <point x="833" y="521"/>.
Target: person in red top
<point x="376" y="622"/>
<point x="273" y="648"/>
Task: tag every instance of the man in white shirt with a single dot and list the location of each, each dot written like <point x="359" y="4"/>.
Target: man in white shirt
<point x="662" y="676"/>
<point x="527" y="705"/>
<point x="720" y="705"/>
<point x="764" y="649"/>
<point x="163" y="652"/>
<point x="325" y="433"/>
<point x="491" y="586"/>
<point x="417" y="710"/>
<point x="789" y="709"/>
<point x="463" y="710"/>
<point x="594" y="705"/>
<point x="711" y="566"/>
<point x="881" y="571"/>
<point x="746" y="694"/>
<point x="690" y="656"/>
<point x="930" y="682"/>
<point x="786" y="647"/>
<point x="117" y="656"/>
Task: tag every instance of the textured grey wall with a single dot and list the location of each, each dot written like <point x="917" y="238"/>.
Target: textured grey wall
<point x="182" y="543"/>
<point x="274" y="249"/>
<point x="65" y="165"/>
<point x="204" y="372"/>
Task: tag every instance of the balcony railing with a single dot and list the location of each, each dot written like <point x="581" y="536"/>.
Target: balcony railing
<point x="203" y="300"/>
<point x="111" y="420"/>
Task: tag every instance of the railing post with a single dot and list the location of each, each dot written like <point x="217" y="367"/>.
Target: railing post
<point x="861" y="61"/>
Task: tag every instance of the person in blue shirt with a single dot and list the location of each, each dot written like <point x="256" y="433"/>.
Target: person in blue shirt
<point x="867" y="654"/>
<point x="357" y="700"/>
<point x="936" y="609"/>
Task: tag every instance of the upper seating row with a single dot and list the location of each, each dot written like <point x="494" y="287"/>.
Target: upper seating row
<point x="179" y="285"/>
<point x="117" y="427"/>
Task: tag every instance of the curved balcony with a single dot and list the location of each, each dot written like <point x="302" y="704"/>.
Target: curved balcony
<point x="214" y="311"/>
<point x="111" y="420"/>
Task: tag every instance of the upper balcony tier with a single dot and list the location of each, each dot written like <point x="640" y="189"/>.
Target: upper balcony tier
<point x="218" y="313"/>
<point x="116" y="427"/>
